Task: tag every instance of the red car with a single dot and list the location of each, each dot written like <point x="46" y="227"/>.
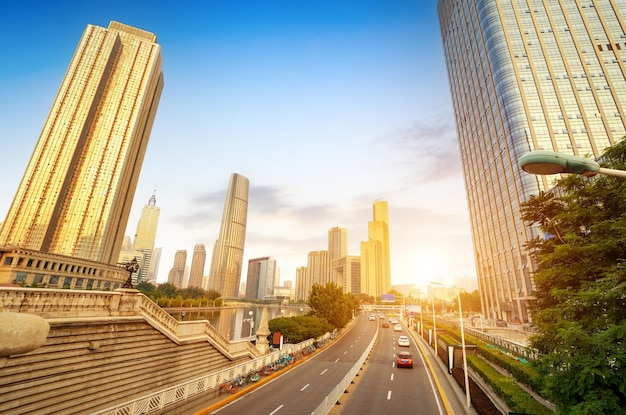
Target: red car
<point x="404" y="359"/>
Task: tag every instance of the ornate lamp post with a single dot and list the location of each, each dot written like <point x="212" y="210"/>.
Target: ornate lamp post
<point x="131" y="267"/>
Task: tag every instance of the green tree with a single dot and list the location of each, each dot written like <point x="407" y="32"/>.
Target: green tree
<point x="300" y="328"/>
<point x="212" y="295"/>
<point x="580" y="309"/>
<point x="165" y="290"/>
<point x="470" y="302"/>
<point x="330" y="303"/>
<point x="146" y="288"/>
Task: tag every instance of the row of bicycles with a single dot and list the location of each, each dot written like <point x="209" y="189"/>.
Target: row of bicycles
<point x="284" y="360"/>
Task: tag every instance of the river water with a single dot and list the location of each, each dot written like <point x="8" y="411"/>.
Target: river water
<point x="236" y="322"/>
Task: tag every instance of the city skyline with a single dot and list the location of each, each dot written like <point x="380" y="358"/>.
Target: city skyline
<point x="324" y="108"/>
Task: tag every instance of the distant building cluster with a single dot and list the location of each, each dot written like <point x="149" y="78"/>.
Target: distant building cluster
<point x="369" y="273"/>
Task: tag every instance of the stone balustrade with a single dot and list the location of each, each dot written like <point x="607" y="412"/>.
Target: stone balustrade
<point x="55" y="304"/>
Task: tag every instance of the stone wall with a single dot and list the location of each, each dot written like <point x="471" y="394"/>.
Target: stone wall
<point x="104" y="348"/>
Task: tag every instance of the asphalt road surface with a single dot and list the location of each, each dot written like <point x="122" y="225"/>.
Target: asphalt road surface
<point x="302" y="389"/>
<point x="382" y="388"/>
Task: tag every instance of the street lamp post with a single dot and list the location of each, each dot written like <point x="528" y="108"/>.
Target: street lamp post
<point x="250" y="321"/>
<point x="131" y="267"/>
<point x="434" y="327"/>
<point x="550" y="162"/>
<point x="421" y="318"/>
<point x="458" y="296"/>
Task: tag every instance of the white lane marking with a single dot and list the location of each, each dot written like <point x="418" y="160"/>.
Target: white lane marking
<point x="304" y="387"/>
<point x="337" y="360"/>
<point x="392" y="377"/>
<point x="345" y="352"/>
<point x="276" y="410"/>
<point x="389" y="395"/>
<point x="323" y="371"/>
<point x="351" y="346"/>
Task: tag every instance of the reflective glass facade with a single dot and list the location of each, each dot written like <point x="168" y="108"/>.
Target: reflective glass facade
<point x="226" y="264"/>
<point x="527" y="76"/>
<point x="76" y="194"/>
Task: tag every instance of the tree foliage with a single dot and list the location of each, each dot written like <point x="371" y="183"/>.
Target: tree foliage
<point x="168" y="294"/>
<point x="470" y="302"/>
<point x="580" y="283"/>
<point x="331" y="303"/>
<point x="300" y="328"/>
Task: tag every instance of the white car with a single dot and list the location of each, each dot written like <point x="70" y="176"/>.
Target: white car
<point x="372" y="317"/>
<point x="403" y="341"/>
<point x="397" y="327"/>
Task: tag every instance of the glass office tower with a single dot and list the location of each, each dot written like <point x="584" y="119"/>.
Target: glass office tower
<point x="227" y="260"/>
<point x="527" y="76"/>
<point x="76" y="194"/>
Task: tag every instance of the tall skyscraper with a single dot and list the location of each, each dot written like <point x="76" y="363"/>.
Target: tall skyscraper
<point x="303" y="284"/>
<point x="177" y="272"/>
<point x="153" y="270"/>
<point x="262" y="278"/>
<point x="196" y="273"/>
<point x="548" y="75"/>
<point x="337" y="243"/>
<point x="346" y="273"/>
<point x="145" y="236"/>
<point x="318" y="268"/>
<point x="375" y="256"/>
<point x="76" y="194"/>
<point x="226" y="263"/>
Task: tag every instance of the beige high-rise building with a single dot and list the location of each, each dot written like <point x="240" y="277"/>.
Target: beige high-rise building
<point x="337" y="243"/>
<point x="177" y="272"/>
<point x="375" y="256"/>
<point x="226" y="263"/>
<point x="303" y="284"/>
<point x="346" y="273"/>
<point x="318" y="268"/>
<point x="145" y="236"/>
<point x="196" y="272"/>
<point x="76" y="194"/>
<point x="542" y="75"/>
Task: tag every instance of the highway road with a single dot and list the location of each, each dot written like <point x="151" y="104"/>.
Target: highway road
<point x="382" y="388"/>
<point x="302" y="389"/>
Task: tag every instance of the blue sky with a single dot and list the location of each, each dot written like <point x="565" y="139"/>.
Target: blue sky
<point x="324" y="106"/>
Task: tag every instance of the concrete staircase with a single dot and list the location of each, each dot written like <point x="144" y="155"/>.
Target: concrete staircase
<point x="114" y="354"/>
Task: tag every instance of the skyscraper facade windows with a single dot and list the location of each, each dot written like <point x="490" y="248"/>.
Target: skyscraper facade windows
<point x="196" y="272"/>
<point x="76" y="194"/>
<point x="262" y="278"/>
<point x="546" y="76"/>
<point x="226" y="263"/>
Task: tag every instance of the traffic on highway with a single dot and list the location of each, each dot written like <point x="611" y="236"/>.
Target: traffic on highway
<point x="394" y="379"/>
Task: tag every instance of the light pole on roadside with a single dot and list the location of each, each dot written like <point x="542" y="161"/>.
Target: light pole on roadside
<point x="434" y="327"/>
<point x="250" y="322"/>
<point x="550" y="162"/>
<point x="458" y="296"/>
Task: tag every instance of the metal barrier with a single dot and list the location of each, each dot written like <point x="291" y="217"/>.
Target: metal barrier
<point x="330" y="400"/>
<point x="159" y="400"/>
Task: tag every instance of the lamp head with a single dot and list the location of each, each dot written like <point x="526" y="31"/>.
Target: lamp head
<point x="545" y="162"/>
